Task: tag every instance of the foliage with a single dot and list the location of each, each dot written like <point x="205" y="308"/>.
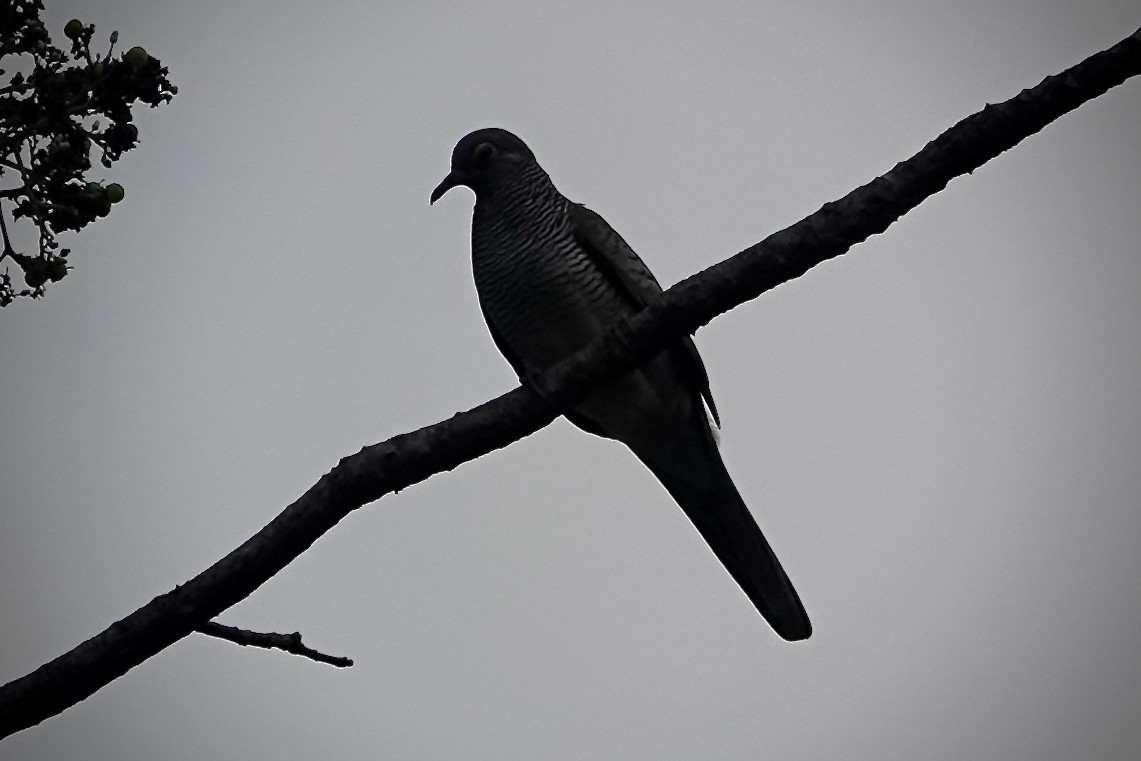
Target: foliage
<point x="56" y="109"/>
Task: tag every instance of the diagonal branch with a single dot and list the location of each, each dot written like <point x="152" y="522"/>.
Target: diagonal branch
<point x="383" y="468"/>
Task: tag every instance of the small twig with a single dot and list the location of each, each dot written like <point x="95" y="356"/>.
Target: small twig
<point x="20" y="88"/>
<point x="15" y="167"/>
<point x="7" y="243"/>
<point x="290" y="643"/>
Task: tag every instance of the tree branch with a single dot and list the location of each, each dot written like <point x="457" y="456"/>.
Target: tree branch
<point x="383" y="468"/>
<point x="290" y="643"/>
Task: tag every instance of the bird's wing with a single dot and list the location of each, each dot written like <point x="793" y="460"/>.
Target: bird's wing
<point x="613" y="256"/>
<point x="633" y="278"/>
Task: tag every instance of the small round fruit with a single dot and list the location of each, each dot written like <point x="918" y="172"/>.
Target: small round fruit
<point x="74" y="28"/>
<point x="115" y="192"/>
<point x="136" y="57"/>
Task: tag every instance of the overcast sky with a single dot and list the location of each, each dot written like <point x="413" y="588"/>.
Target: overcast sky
<point x="939" y="431"/>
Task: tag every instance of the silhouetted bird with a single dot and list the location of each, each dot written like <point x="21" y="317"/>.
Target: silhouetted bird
<point x="551" y="275"/>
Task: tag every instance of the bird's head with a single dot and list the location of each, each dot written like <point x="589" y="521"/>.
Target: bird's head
<point x="483" y="157"/>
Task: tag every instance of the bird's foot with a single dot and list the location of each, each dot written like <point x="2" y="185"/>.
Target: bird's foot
<point x="537" y="381"/>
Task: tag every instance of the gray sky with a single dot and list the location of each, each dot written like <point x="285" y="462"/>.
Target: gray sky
<point x="939" y="432"/>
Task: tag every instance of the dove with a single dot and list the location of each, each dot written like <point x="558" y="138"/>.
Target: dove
<point x="551" y="276"/>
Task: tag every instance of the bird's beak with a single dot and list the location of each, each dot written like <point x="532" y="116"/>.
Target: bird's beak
<point x="449" y="182"/>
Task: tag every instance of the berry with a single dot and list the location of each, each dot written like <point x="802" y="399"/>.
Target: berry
<point x="136" y="57"/>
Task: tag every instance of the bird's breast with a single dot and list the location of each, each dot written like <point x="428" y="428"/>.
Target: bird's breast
<point x="538" y="288"/>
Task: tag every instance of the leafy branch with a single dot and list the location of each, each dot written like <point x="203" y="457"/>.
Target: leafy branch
<point x="57" y="109"/>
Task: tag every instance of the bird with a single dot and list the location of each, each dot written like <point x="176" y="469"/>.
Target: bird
<point x="551" y="275"/>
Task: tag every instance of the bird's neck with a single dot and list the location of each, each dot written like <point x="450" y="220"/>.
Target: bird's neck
<point x="517" y="198"/>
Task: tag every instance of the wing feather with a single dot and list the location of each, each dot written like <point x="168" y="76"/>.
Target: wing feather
<point x="635" y="281"/>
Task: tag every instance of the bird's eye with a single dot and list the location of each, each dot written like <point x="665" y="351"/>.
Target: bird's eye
<point x="483" y="153"/>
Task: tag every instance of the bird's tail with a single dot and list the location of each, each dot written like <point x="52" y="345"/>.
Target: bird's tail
<point x="712" y="503"/>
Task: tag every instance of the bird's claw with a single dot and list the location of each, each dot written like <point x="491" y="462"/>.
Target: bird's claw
<point x="536" y="380"/>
